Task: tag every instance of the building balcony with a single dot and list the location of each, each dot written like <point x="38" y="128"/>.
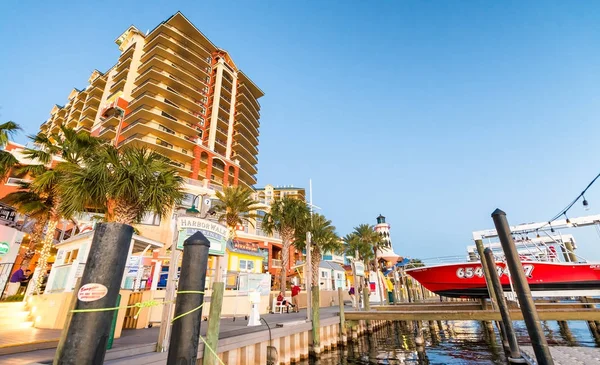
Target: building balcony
<point x="118" y="85"/>
<point x="175" y="58"/>
<point x="157" y="76"/>
<point x="142" y="126"/>
<point x="245" y="118"/>
<point x="191" y="80"/>
<point x="176" y="48"/>
<point x="112" y="120"/>
<point x="245" y="164"/>
<point x="87" y="120"/>
<point x="165" y="109"/>
<point x="72" y="123"/>
<point x="245" y="141"/>
<point x="244" y="152"/>
<point x="183" y="39"/>
<point x="247" y="100"/>
<point x="108" y="132"/>
<point x="127" y="55"/>
<point x="81" y="127"/>
<point x="96" y="91"/>
<point x="247" y="130"/>
<point x="243" y="106"/>
<point x="164" y="148"/>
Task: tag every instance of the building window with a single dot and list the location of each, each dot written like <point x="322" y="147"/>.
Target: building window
<point x="151" y="219"/>
<point x="71" y="256"/>
<point x="324" y="274"/>
<point x="339" y="276"/>
<point x="246" y="266"/>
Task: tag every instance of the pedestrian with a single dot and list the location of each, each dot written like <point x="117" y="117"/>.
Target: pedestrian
<point x="352" y="296"/>
<point x="25" y="282"/>
<point x="15" y="282"/>
<point x="295" y="298"/>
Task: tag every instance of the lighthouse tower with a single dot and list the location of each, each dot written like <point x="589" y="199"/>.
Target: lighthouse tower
<point x="386" y="252"/>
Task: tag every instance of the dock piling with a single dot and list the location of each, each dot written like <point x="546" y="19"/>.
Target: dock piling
<point x="509" y="332"/>
<point x="343" y="333"/>
<point x="214" y="322"/>
<point x="538" y="341"/>
<point x="185" y="333"/>
<point x="367" y="305"/>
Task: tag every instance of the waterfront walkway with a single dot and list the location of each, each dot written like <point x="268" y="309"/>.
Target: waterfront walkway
<point x="565" y="355"/>
<point x="131" y="343"/>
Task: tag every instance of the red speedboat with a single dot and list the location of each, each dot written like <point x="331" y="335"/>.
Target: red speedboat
<point x="550" y="265"/>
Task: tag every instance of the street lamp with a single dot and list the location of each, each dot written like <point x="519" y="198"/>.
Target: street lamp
<point x="204" y="201"/>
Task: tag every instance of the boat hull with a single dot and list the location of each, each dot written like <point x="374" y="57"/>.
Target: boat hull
<point x="467" y="280"/>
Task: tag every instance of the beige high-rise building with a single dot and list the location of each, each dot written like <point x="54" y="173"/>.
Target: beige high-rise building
<point x="176" y="92"/>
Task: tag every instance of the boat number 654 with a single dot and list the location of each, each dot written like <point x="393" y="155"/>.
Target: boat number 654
<point x="469" y="272"/>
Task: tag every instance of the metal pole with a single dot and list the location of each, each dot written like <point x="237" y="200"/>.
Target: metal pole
<point x="86" y="334"/>
<point x="183" y="347"/>
<point x="536" y="334"/>
<point x="308" y="266"/>
<point x="308" y="279"/>
<point x="355" y="279"/>
<point x="508" y="329"/>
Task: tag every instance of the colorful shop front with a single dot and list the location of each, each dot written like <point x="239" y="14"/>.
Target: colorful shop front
<point x="50" y="309"/>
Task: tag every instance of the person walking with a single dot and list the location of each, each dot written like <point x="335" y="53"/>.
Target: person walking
<point x="15" y="282"/>
<point x="352" y="296"/>
<point x="295" y="298"/>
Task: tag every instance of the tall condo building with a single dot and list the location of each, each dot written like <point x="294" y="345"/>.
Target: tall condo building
<point x="177" y="93"/>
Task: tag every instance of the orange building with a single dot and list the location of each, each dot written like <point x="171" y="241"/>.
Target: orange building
<point x="176" y="92"/>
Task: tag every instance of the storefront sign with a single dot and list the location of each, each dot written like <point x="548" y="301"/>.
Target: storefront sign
<point x="215" y="232"/>
<point x="91" y="292"/>
<point x="245" y="246"/>
<point x="359" y="267"/>
<point x="4" y="247"/>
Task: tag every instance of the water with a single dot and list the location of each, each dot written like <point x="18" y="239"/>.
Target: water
<point x="460" y="342"/>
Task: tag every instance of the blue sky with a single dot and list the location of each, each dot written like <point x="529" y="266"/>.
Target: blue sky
<point x="431" y="113"/>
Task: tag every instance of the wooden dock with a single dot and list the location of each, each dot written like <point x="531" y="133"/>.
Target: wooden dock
<point x="472" y="311"/>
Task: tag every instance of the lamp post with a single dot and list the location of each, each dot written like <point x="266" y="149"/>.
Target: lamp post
<point x="204" y="202"/>
<point x="165" y="327"/>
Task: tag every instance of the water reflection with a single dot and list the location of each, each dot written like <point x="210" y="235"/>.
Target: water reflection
<point x="445" y="342"/>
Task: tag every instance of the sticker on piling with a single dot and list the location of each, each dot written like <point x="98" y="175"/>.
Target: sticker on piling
<point x="91" y="292"/>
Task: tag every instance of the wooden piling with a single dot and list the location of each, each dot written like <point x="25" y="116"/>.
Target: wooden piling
<point x="343" y="334"/>
<point x="214" y="323"/>
<point x="367" y="305"/>
<point x="316" y="326"/>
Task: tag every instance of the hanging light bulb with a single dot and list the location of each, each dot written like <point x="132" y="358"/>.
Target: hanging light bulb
<point x="586" y="206"/>
<point x="537" y="234"/>
<point x="567" y="219"/>
<point x="551" y="228"/>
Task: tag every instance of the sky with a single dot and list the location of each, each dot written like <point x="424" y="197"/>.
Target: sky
<point x="431" y="113"/>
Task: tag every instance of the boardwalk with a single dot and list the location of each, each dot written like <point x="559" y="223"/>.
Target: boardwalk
<point x="140" y="342"/>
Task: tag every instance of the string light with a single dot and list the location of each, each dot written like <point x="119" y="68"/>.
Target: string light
<point x="566" y="209"/>
<point x="586" y="206"/>
<point x="537" y="234"/>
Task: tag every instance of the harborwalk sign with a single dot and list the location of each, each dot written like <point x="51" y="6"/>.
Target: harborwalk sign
<point x="215" y="232"/>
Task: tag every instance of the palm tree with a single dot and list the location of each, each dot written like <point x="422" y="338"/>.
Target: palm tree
<point x="125" y="184"/>
<point x="367" y="236"/>
<point x="323" y="239"/>
<point x="35" y="206"/>
<point x="7" y="160"/>
<point x="235" y="207"/>
<point x="73" y="148"/>
<point x="285" y="217"/>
